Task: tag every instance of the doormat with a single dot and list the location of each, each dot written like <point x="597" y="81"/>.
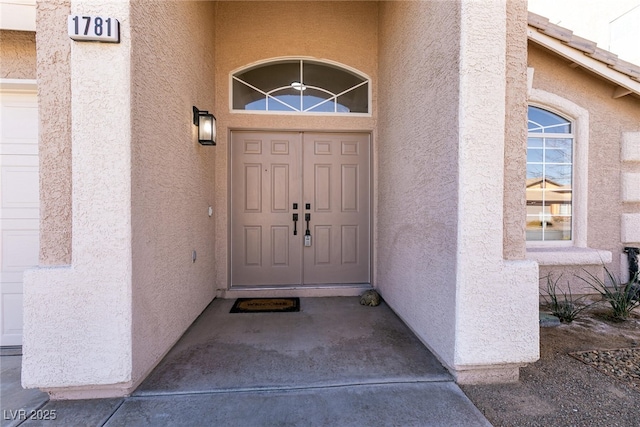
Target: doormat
<point x="266" y="305"/>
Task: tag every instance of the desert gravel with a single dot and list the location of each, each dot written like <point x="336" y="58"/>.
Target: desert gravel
<point x="567" y="387"/>
<point x="622" y="363"/>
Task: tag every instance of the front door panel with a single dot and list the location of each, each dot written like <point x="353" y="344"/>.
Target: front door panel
<point x="336" y="184"/>
<point x="265" y="183"/>
<point x="278" y="175"/>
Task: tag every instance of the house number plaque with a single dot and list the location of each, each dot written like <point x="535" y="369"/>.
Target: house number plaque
<point x="94" y="28"/>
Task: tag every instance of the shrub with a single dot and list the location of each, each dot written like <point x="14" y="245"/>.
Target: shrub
<point x="562" y="304"/>
<point x="622" y="297"/>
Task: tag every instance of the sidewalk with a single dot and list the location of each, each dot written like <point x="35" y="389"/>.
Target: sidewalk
<point x="333" y="363"/>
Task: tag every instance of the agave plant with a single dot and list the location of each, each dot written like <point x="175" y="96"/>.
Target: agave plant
<point x="563" y="305"/>
<point x="622" y="297"/>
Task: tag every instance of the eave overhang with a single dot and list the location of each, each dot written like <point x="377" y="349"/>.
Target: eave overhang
<point x="585" y="53"/>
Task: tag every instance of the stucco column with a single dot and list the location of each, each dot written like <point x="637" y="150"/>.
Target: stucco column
<point x="54" y="92"/>
<point x="77" y="336"/>
<point x="496" y="300"/>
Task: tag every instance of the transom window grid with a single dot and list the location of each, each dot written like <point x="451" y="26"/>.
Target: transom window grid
<point x="549" y="177"/>
<point x="336" y="90"/>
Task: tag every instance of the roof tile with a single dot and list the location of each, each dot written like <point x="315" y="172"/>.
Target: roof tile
<point x="628" y="68"/>
<point x="584" y="45"/>
<point x="604" y="56"/>
<point x="537" y="21"/>
<point x="559" y="33"/>
<point x="587" y="46"/>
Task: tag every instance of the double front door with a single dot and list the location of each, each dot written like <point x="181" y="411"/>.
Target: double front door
<point x="300" y="208"/>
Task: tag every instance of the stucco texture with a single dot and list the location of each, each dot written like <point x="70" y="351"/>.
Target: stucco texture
<point x="172" y="175"/>
<point x="142" y="184"/>
<point x="417" y="169"/>
<point x="490" y="290"/>
<point x="441" y="205"/>
<point x="515" y="157"/>
<point x="54" y="99"/>
<point x="249" y="32"/>
<point x="610" y="119"/>
<point x="17" y="55"/>
<point x="78" y="318"/>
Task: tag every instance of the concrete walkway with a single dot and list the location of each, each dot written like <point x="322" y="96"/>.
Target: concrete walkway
<point x="333" y="363"/>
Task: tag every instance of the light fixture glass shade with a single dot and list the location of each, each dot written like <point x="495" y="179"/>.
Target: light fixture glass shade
<point x="206" y="123"/>
<point x="206" y="129"/>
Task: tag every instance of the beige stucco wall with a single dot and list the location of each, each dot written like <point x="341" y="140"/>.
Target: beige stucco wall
<point x="417" y="172"/>
<point x="17" y="54"/>
<point x="77" y="318"/>
<point x="54" y="98"/>
<point x="515" y="131"/>
<point x="441" y="231"/>
<point x="141" y="196"/>
<point x="248" y="32"/>
<point x="142" y="186"/>
<point x="172" y="175"/>
<point x="609" y="120"/>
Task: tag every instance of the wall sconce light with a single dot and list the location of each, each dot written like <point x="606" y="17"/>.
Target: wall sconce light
<point x="206" y="123"/>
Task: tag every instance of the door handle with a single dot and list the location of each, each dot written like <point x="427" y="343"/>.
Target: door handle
<point x="307" y="234"/>
<point x="295" y="220"/>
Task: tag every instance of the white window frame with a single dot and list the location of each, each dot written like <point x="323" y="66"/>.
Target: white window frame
<point x="579" y="118"/>
<point x="301" y="113"/>
<point x="576" y="253"/>
<point x="551" y="135"/>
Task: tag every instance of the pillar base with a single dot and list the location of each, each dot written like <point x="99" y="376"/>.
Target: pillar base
<point x="90" y="392"/>
<point x="487" y="374"/>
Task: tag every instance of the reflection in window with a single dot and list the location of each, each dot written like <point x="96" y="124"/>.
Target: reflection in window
<point x="300" y="86"/>
<point x="549" y="176"/>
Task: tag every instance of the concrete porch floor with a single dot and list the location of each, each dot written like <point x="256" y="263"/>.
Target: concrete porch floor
<point x="333" y="363"/>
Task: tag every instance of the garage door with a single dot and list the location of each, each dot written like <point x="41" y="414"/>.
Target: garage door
<point x="19" y="202"/>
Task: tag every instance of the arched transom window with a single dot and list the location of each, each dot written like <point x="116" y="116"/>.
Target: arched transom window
<point x="300" y="86"/>
<point x="549" y="176"/>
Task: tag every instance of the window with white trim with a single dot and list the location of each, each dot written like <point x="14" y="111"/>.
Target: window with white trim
<point x="300" y="86"/>
<point x="550" y="175"/>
